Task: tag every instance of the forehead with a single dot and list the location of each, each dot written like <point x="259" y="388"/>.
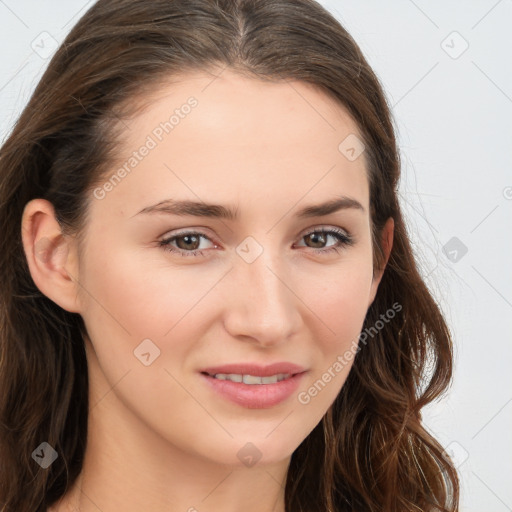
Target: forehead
<point x="225" y="137"/>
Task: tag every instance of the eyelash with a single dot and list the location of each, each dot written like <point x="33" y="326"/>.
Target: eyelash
<point x="344" y="240"/>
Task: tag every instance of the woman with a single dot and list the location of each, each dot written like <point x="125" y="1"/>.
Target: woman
<point x="282" y="367"/>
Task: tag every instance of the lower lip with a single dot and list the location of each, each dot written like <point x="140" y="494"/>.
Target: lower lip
<point x="255" y="396"/>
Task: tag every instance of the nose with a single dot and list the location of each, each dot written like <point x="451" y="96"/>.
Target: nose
<point x="262" y="307"/>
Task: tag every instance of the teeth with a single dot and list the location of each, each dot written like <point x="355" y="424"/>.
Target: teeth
<point x="251" y="379"/>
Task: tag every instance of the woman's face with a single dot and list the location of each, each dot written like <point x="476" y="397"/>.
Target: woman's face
<point x="173" y="293"/>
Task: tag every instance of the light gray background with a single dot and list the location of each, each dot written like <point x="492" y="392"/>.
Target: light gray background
<point x="452" y="108"/>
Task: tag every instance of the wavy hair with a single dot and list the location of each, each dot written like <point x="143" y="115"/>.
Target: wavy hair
<point x="370" y="452"/>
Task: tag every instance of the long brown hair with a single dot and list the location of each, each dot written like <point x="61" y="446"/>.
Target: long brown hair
<point x="370" y="452"/>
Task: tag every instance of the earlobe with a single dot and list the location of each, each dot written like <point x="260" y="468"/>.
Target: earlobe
<point x="50" y="254"/>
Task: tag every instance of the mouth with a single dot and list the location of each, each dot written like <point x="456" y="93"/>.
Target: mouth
<point x="252" y="386"/>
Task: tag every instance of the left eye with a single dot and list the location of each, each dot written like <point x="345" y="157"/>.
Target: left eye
<point x="188" y="243"/>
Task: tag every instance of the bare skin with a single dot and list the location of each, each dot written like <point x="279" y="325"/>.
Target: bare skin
<point x="159" y="437"/>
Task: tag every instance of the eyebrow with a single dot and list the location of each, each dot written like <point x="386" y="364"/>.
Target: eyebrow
<point x="201" y="209"/>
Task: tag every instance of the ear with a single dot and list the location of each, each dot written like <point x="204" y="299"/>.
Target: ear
<point x="51" y="255"/>
<point x="387" y="245"/>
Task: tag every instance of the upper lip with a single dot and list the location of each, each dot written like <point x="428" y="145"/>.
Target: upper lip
<point x="255" y="369"/>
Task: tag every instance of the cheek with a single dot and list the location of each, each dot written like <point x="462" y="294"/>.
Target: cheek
<point x="129" y="302"/>
<point x="341" y="302"/>
<point x="341" y="307"/>
<point x="135" y="295"/>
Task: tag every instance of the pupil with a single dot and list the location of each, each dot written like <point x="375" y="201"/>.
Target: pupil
<point x="317" y="238"/>
<point x="189" y="239"/>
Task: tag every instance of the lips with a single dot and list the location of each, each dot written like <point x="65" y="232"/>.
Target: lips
<point x="254" y="386"/>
